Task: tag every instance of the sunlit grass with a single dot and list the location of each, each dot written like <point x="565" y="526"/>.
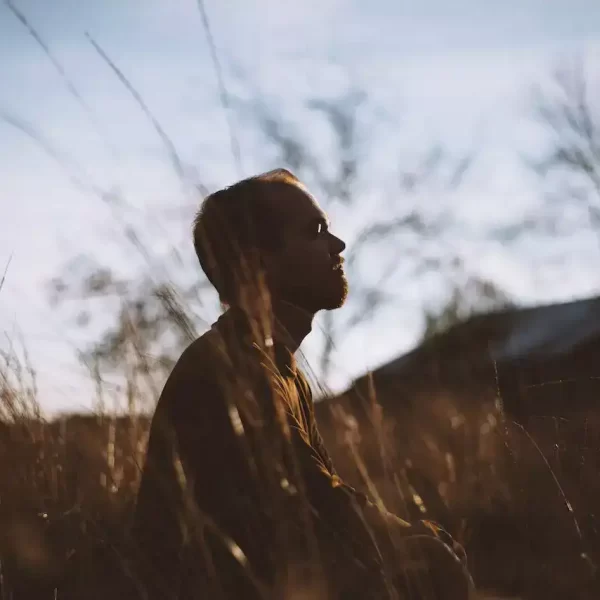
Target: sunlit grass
<point x="68" y="485"/>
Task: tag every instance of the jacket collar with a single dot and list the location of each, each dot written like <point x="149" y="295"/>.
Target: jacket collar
<point x="237" y="330"/>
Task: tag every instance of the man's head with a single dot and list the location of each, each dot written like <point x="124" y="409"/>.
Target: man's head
<point x="270" y="227"/>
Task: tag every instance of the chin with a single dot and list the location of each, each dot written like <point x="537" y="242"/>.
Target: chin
<point x="336" y="300"/>
<point x="314" y="303"/>
<point x="334" y="304"/>
<point x="328" y="297"/>
<point x="332" y="307"/>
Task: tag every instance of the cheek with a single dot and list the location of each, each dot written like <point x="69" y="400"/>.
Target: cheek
<point x="303" y="260"/>
<point x="283" y="266"/>
<point x="307" y="262"/>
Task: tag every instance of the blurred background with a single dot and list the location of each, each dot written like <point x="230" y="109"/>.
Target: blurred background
<point x="456" y="149"/>
<point x="448" y="142"/>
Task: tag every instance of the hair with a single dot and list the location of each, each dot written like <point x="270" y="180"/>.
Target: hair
<point x="234" y="225"/>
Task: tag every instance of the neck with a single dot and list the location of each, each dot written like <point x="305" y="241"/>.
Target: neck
<point x="292" y="324"/>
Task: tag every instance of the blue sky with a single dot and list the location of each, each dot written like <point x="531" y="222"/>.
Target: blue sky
<point x="456" y="71"/>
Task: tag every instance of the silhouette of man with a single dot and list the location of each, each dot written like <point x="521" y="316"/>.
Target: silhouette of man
<point x="239" y="498"/>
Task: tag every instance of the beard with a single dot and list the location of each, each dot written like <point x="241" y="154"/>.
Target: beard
<point x="315" y="296"/>
<point x="339" y="292"/>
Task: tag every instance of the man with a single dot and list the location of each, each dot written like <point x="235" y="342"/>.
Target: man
<point x="238" y="497"/>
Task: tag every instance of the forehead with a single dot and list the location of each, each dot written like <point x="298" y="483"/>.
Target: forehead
<point x="295" y="205"/>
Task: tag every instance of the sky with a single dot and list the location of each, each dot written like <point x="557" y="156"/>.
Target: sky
<point x="460" y="72"/>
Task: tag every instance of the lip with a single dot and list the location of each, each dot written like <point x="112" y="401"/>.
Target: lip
<point x="338" y="265"/>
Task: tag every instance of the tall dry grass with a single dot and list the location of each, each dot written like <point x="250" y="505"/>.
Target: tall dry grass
<point x="523" y="504"/>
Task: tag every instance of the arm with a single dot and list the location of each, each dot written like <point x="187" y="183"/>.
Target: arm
<point x="326" y="462"/>
<point x="215" y="459"/>
<point x="400" y="540"/>
<point x="221" y="464"/>
<point x="226" y="509"/>
<point x="366" y="516"/>
<point x="190" y="436"/>
<point x="225" y="465"/>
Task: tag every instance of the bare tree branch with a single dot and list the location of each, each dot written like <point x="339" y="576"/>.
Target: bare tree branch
<point x="154" y="308"/>
<point x="576" y="129"/>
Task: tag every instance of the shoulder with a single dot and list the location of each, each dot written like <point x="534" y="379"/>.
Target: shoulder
<point x="201" y="359"/>
<point x="195" y="374"/>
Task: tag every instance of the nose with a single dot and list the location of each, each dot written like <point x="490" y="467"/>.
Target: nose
<point x="336" y="244"/>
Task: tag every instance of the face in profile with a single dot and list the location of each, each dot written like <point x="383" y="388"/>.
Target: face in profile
<point x="307" y="269"/>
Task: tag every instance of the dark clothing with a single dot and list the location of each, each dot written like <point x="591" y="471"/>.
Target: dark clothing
<point x="237" y="423"/>
<point x="238" y="493"/>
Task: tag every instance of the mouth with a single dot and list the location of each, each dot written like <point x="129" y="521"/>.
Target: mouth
<point x="338" y="265"/>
